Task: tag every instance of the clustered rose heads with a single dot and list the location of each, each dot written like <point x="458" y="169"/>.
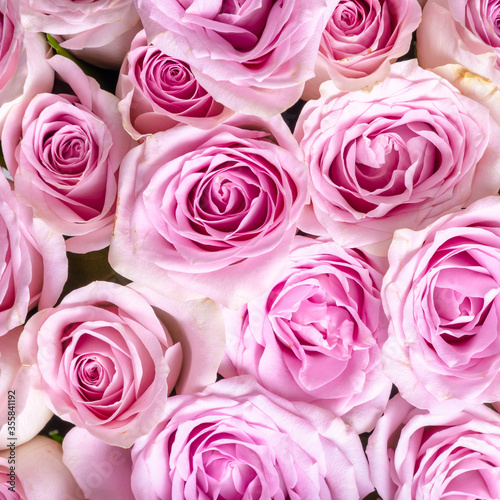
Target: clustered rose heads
<point x="335" y="262"/>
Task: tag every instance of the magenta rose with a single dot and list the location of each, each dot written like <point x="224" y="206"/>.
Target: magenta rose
<point x="157" y="92"/>
<point x="252" y="56"/>
<point x="35" y="266"/>
<point x="39" y="473"/>
<point x="235" y="440"/>
<point x="24" y="71"/>
<point x="441" y="295"/>
<point x="361" y="40"/>
<point x="315" y="335"/>
<point x="416" y="454"/>
<point x="105" y="361"/>
<point x="63" y="151"/>
<point x="465" y="32"/>
<point x="23" y="411"/>
<point x="97" y="31"/>
<point x="209" y="213"/>
<point x="401" y="155"/>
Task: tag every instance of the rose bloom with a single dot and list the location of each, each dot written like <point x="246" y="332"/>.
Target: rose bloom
<point x="315" y="335"/>
<point x="39" y="473"/>
<point x="63" y="151"/>
<point x="209" y="213"/>
<point x="35" y="266"/>
<point x="97" y="31"/>
<point x="253" y="57"/>
<point x="441" y="295"/>
<point x="105" y="361"/>
<point x="361" y="40"/>
<point x="465" y="32"/>
<point x="24" y="71"/>
<point x="235" y="440"/>
<point x="416" y="454"/>
<point x="401" y="155"/>
<point x="27" y="404"/>
<point x="157" y="92"/>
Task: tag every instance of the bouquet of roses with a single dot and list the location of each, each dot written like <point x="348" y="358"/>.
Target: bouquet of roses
<point x="250" y="249"/>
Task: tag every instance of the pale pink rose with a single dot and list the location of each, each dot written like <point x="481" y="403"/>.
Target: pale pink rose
<point x="157" y="92"/>
<point x="420" y="455"/>
<point x="315" y="335"/>
<point x="401" y="155"/>
<point x="24" y="71"/>
<point x="361" y="40"/>
<point x="105" y="361"/>
<point x="97" y="31"/>
<point x="442" y="297"/>
<point x="465" y="32"/>
<point x="209" y="213"/>
<point x="64" y="151"/>
<point x="39" y="473"/>
<point x="35" y="266"/>
<point x="252" y="56"/>
<point x="236" y="440"/>
<point x="102" y="471"/>
<point x="23" y="411"/>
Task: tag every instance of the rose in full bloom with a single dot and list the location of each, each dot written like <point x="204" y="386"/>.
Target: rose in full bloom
<point x="39" y="473"/>
<point x="235" y="440"/>
<point x="34" y="263"/>
<point x="210" y="213"/>
<point x="105" y="361"/>
<point x="361" y="40"/>
<point x="251" y="56"/>
<point x="24" y="71"/>
<point x="97" y="31"/>
<point x="27" y="404"/>
<point x="416" y="454"/>
<point x="315" y="335"/>
<point x="63" y="151"/>
<point x="465" y="32"/>
<point x="402" y="155"/>
<point x="157" y="92"/>
<point x="441" y="294"/>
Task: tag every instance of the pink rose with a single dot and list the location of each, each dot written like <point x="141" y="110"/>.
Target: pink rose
<point x="209" y="213"/>
<point x="24" y="71"/>
<point x="22" y="407"/>
<point x="464" y="32"/>
<point x="315" y="335"/>
<point x="35" y="266"/>
<point x="253" y="56"/>
<point x="97" y="31"/>
<point x="101" y="471"/>
<point x="416" y="454"/>
<point x="361" y="40"/>
<point x="157" y="92"/>
<point x="401" y="155"/>
<point x="235" y="440"/>
<point x="63" y="151"/>
<point x="39" y="473"/>
<point x="104" y="360"/>
<point x="442" y="297"/>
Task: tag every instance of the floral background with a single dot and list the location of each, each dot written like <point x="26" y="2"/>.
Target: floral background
<point x="250" y="249"/>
